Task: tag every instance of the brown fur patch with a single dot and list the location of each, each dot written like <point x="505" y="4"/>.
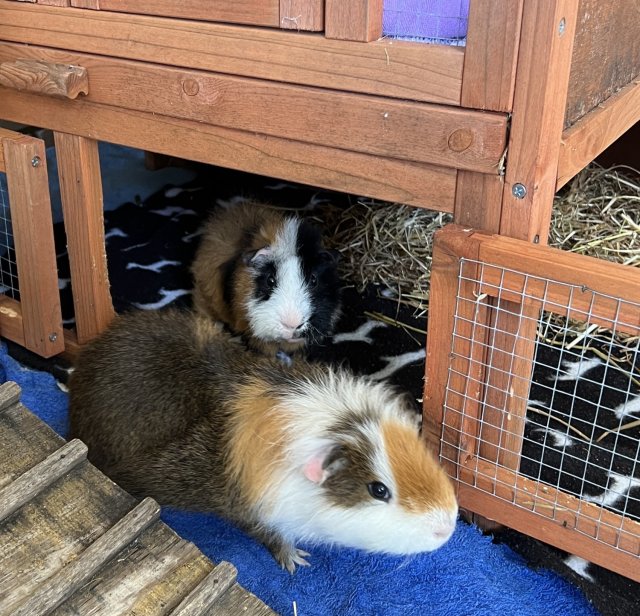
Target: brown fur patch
<point x="257" y="441"/>
<point x="421" y="482"/>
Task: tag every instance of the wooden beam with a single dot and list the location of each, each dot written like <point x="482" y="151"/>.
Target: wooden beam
<point x="419" y="132"/>
<point x="250" y="12"/>
<point x="43" y="77"/>
<point x="357" y="20"/>
<point x="25" y="162"/>
<point x="412" y="71"/>
<point x="388" y="179"/>
<point x="82" y="206"/>
<point x="596" y="131"/>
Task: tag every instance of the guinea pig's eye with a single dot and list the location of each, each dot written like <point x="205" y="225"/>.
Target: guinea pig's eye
<point x="379" y="491"/>
<point x="271" y="281"/>
<point x="313" y="281"/>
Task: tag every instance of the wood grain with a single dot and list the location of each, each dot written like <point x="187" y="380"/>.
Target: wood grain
<point x="389" y="179"/>
<point x="250" y="12"/>
<point x="82" y="206"/>
<point x="208" y="591"/>
<point x="606" y="54"/>
<point x="412" y="71"/>
<point x="491" y="52"/>
<point x="9" y="394"/>
<point x="594" y="132"/>
<point x="53" y="591"/>
<point x="302" y="14"/>
<point x="11" y="322"/>
<point x="32" y="228"/>
<point x="45" y="78"/>
<point x="357" y="20"/>
<point x="418" y="132"/>
<point x="41" y="476"/>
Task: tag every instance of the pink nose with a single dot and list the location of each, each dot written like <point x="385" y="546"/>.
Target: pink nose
<point x="445" y="530"/>
<point x="291" y="321"/>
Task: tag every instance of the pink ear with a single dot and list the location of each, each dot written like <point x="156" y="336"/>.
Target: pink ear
<point x="313" y="470"/>
<point x="260" y="254"/>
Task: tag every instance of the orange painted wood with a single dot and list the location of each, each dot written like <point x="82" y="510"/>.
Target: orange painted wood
<point x="597" y="130"/>
<point x="32" y="226"/>
<point x="44" y="77"/>
<point x="362" y="174"/>
<point x="302" y="14"/>
<point x="525" y="505"/>
<point x="606" y="54"/>
<point x="250" y="12"/>
<point x="418" y="132"/>
<point x="538" y="110"/>
<point x="413" y="71"/>
<point x="491" y="52"/>
<point x="357" y="20"/>
<point x="81" y="193"/>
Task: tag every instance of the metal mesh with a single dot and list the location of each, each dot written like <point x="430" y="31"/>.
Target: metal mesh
<point x="441" y="21"/>
<point x="564" y="440"/>
<point x="8" y="267"/>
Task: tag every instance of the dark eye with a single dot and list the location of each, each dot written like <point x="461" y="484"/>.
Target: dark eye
<point x="379" y="491"/>
<point x="271" y="281"/>
<point x="313" y="281"/>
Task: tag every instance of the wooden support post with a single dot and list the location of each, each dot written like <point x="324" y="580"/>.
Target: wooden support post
<point x="25" y="162"/>
<point x="356" y="20"/>
<point x="81" y="192"/>
<point x="302" y="14"/>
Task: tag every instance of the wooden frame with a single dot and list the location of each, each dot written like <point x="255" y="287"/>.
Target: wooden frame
<point x="488" y="483"/>
<point x="36" y="320"/>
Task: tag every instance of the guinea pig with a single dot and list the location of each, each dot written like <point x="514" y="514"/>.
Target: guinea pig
<point x="174" y="408"/>
<point x="266" y="276"/>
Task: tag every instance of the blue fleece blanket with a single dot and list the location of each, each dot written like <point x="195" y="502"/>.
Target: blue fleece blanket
<point x="469" y="576"/>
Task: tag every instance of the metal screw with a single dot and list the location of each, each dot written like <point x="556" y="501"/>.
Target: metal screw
<point x="53" y="337"/>
<point x="536" y="239"/>
<point x="519" y="191"/>
<point x="35" y="161"/>
<point x="561" y="26"/>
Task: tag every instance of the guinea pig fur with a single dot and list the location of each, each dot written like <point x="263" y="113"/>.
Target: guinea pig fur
<point x="266" y="275"/>
<point x="172" y="407"/>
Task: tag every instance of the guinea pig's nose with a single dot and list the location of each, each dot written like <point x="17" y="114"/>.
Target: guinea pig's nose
<point x="291" y="322"/>
<point x="445" y="530"/>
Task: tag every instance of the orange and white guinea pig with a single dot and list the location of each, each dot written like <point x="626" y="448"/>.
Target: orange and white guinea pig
<point x="172" y="407"/>
<point x="266" y="275"/>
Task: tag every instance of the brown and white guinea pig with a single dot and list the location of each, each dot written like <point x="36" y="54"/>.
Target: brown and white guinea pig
<point x="172" y="407"/>
<point x="266" y="276"/>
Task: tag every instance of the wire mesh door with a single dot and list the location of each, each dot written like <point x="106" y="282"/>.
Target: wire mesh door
<point x="30" y="302"/>
<point x="539" y="417"/>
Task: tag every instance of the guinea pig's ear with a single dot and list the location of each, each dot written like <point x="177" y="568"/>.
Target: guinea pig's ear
<point x="256" y="257"/>
<point x="323" y="464"/>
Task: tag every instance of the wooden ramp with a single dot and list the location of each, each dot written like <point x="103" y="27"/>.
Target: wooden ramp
<point x="73" y="542"/>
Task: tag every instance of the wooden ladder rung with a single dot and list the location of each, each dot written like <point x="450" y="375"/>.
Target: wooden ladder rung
<point x="9" y="395"/>
<point x="60" y="586"/>
<point x="207" y="592"/>
<point x="43" y="474"/>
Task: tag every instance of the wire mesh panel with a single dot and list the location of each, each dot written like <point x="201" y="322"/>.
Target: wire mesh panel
<point x="8" y="267"/>
<point x="541" y="412"/>
<point x="442" y="21"/>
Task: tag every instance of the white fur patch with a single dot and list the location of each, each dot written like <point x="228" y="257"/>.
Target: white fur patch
<point x="289" y="306"/>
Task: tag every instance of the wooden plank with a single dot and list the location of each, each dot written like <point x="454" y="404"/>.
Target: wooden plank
<point x="208" y="591"/>
<point x="597" y="130"/>
<point x="478" y="200"/>
<point x="250" y="12"/>
<point x="54" y="2"/>
<point x="53" y="591"/>
<point x="302" y="14"/>
<point x="45" y="77"/>
<point x="539" y="101"/>
<point x="412" y="71"/>
<point x="86" y="4"/>
<point x="32" y="226"/>
<point x="81" y="194"/>
<point x="418" y="132"/>
<point x="11" y="322"/>
<point x="9" y="394"/>
<point x="358" y="20"/>
<point x="491" y="52"/>
<point x="519" y="496"/>
<point x="41" y="476"/>
<point x="392" y="180"/>
<point x="606" y="54"/>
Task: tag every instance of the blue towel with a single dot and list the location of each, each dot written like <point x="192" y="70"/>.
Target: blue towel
<point x="469" y="576"/>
